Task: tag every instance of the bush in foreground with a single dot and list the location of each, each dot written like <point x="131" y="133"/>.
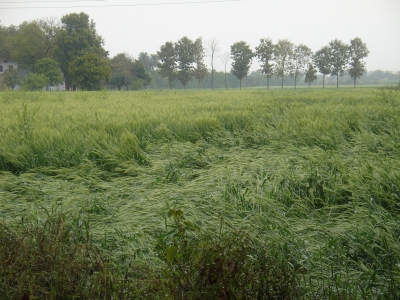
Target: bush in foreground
<point x="55" y="259"/>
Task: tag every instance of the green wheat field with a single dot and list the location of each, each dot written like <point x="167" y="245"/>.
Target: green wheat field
<point x="310" y="177"/>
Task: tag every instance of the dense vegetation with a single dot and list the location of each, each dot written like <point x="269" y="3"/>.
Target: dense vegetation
<point x="48" y="47"/>
<point x="181" y="195"/>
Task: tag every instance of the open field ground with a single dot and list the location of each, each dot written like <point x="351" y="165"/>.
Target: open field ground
<point x="308" y="180"/>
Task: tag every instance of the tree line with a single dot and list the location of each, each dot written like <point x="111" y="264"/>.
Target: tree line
<point x="71" y="50"/>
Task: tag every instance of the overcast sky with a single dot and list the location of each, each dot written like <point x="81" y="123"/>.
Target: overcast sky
<point x="144" y="25"/>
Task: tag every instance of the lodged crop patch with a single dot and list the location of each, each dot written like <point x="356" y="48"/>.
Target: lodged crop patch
<point x="236" y="194"/>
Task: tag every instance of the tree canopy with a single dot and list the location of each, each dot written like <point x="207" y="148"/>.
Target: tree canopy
<point x="283" y="52"/>
<point x="300" y="59"/>
<point x="121" y="71"/>
<point x="184" y="52"/>
<point x="265" y="55"/>
<point x="76" y="38"/>
<point x="50" y="69"/>
<point x="357" y="51"/>
<point x="242" y="57"/>
<point x="167" y="64"/>
<point x="322" y="60"/>
<point x="339" y="57"/>
<point x="88" y="71"/>
<point x="200" y="70"/>
<point x="310" y="74"/>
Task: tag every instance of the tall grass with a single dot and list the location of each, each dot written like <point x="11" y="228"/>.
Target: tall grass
<point x="300" y="185"/>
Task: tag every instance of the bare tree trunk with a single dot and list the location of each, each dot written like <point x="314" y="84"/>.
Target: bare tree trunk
<point x="212" y="48"/>
<point x="295" y="79"/>
<point x="226" y="84"/>
<point x="337" y="79"/>
<point x="355" y="79"/>
<point x="212" y="73"/>
<point x="323" y="81"/>
<point x="268" y="82"/>
<point x="282" y="81"/>
<point x="240" y="83"/>
<point x="225" y="58"/>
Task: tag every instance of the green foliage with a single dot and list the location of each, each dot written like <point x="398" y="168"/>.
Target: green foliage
<point x="339" y="57"/>
<point x="200" y="70"/>
<point x="11" y="78"/>
<point x="28" y="45"/>
<point x="49" y="259"/>
<point x="137" y="84"/>
<point x="283" y="52"/>
<point x="322" y="60"/>
<point x="310" y="75"/>
<point x="129" y="73"/>
<point x="50" y="69"/>
<point x="242" y="56"/>
<point x="357" y="51"/>
<point x="89" y="71"/>
<point x="184" y="54"/>
<point x="227" y="265"/>
<point x="121" y="71"/>
<point x="149" y="61"/>
<point x="265" y="54"/>
<point x="139" y="73"/>
<point x="35" y="82"/>
<point x="76" y="38"/>
<point x="296" y="190"/>
<point x="167" y="65"/>
<point x="6" y="42"/>
<point x="301" y="58"/>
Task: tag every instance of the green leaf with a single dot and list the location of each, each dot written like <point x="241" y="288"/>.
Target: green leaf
<point x="171" y="253"/>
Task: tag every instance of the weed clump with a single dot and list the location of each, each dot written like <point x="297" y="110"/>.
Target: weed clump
<point x="50" y="259"/>
<point x="230" y="265"/>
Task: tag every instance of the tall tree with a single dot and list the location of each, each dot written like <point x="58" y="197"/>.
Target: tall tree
<point x="6" y="42"/>
<point x="153" y="61"/>
<point x="49" y="28"/>
<point x="212" y="50"/>
<point x="121" y="71"/>
<point x="76" y="38"/>
<point x="357" y="51"/>
<point x="200" y="70"/>
<point x="225" y="58"/>
<point x="50" y="69"/>
<point x="139" y="75"/>
<point x="28" y="42"/>
<point x="242" y="56"/>
<point x="339" y="57"/>
<point x="322" y="60"/>
<point x="145" y="59"/>
<point x="265" y="54"/>
<point x="167" y="66"/>
<point x="126" y="72"/>
<point x="28" y="47"/>
<point x="283" y="52"/>
<point x="301" y="58"/>
<point x="89" y="71"/>
<point x="310" y="74"/>
<point x="184" y="50"/>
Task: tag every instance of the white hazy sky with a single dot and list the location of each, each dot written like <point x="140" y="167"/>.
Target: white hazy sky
<point x="144" y="25"/>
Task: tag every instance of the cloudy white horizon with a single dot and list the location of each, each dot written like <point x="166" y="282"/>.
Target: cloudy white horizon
<point x="144" y="25"/>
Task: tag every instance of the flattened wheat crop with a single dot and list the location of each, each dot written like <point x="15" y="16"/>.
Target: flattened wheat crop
<point x="312" y="178"/>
